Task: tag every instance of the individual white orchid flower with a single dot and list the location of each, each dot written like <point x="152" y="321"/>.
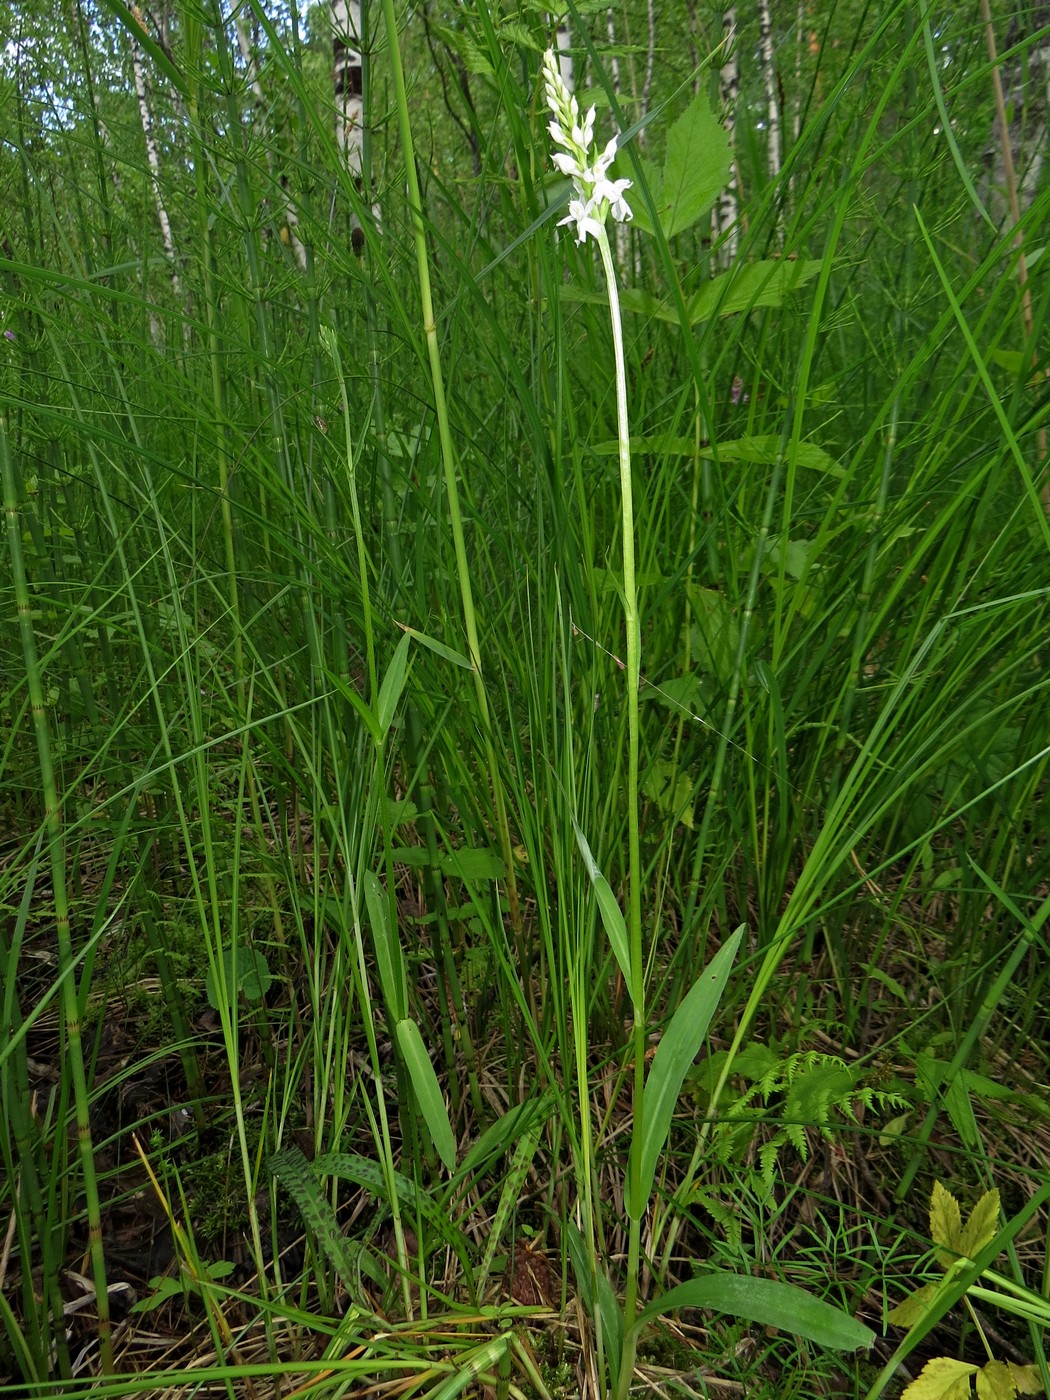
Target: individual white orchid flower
<point x="596" y="197"/>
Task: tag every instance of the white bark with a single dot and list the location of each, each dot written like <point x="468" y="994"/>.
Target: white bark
<point x="769" y="82"/>
<point x="726" y="211"/>
<point x="563" y="47"/>
<point x="153" y="160"/>
<point x="286" y="212"/>
<point x="349" y="99"/>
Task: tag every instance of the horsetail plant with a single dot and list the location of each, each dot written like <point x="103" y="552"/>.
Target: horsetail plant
<point x="64" y="943"/>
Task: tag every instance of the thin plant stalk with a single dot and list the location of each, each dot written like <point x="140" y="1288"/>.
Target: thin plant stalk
<point x="449" y="465"/>
<point x="64" y="942"/>
<point x="634" y="848"/>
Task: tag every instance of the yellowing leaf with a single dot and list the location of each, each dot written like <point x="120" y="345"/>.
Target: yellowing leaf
<point x="981" y="1227"/>
<point x="994" y="1382"/>
<point x="945" y="1225"/>
<point x="941" y="1379"/>
<point x="1026" y="1379"/>
<point x="913" y="1308"/>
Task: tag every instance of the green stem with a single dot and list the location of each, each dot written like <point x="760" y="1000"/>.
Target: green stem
<point x="56" y="852"/>
<point x="448" y="461"/>
<point x="634" y="922"/>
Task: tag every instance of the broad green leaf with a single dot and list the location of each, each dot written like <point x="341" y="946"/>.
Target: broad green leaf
<point x="768" y="1303"/>
<point x="945" y="1225"/>
<point x="427" y="1090"/>
<point x="508" y="1127"/>
<point x="438" y="648"/>
<point x="654" y="178"/>
<point x="913" y="1308"/>
<point x="1026" y="1379"/>
<point x="748" y="287"/>
<point x="253" y="977"/>
<point x="472" y="863"/>
<point x="982" y="1226"/>
<point x="368" y="1173"/>
<point x="612" y="916"/>
<point x="681" y="694"/>
<point x="391" y="966"/>
<point x="994" y="1382"/>
<point x="393" y="684"/>
<point x="764" y="450"/>
<point x="941" y="1379"/>
<point x="931" y="1073"/>
<point x="696" y="167"/>
<point x="677" y="1049"/>
<point x="316" y="1209"/>
<point x="671" y="790"/>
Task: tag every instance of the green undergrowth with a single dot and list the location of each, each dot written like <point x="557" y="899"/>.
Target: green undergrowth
<point x="314" y="781"/>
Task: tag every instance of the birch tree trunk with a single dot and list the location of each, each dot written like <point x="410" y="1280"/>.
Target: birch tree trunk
<point x="153" y="161"/>
<point x="347" y="78"/>
<point x="290" y="226"/>
<point x="726" y="212"/>
<point x="769" y="83"/>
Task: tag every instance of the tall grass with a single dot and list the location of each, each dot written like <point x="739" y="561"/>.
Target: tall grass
<point x="251" y="833"/>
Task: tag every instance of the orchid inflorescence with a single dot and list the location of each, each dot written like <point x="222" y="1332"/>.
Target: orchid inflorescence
<point x="596" y="196"/>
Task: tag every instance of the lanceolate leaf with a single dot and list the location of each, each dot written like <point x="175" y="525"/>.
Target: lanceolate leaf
<point x="768" y="1303"/>
<point x="393" y="683"/>
<point x="612" y="915"/>
<point x="427" y="1090"/>
<point x="674" y="1055"/>
<point x="391" y="966"/>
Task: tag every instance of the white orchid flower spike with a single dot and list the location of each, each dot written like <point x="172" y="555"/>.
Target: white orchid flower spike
<point x="596" y="196"/>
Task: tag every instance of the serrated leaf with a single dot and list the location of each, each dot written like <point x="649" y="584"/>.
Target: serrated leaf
<point x="763" y="450"/>
<point x="945" y="1225"/>
<point x="746" y="288"/>
<point x="941" y="1379"/>
<point x="994" y="1381"/>
<point x="654" y="179"/>
<point x="982" y="1225"/>
<point x="696" y="167"/>
<point x="914" y="1308"/>
<point x="471" y="863"/>
<point x="1026" y="1379"/>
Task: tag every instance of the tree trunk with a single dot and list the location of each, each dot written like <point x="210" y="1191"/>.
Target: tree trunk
<point x="726" y="212"/>
<point x="347" y="79"/>
<point x="153" y="160"/>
